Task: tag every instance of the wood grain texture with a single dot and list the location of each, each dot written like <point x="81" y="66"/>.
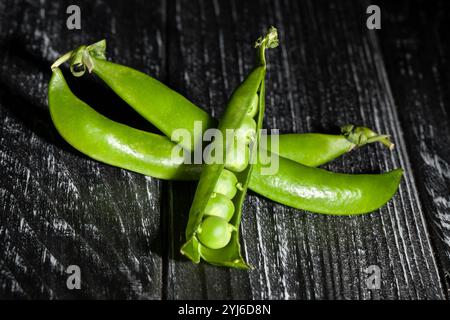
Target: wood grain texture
<point x="328" y="71"/>
<point x="58" y="207"/>
<point x="416" y="52"/>
<point x="124" y="230"/>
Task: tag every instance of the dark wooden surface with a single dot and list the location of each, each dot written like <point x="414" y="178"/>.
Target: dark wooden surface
<point x="124" y="230"/>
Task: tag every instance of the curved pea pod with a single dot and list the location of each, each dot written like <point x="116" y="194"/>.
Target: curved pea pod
<point x="155" y="101"/>
<point x="322" y="191"/>
<point x="152" y="99"/>
<point x="113" y="143"/>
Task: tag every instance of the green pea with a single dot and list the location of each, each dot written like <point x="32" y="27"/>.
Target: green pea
<point x="214" y="232"/>
<point x="247" y="131"/>
<point x="237" y="160"/>
<point x="253" y="109"/>
<point x="226" y="184"/>
<point x="220" y="206"/>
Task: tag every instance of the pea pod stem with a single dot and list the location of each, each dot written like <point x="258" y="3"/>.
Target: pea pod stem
<point x="361" y="136"/>
<point x="65" y="57"/>
<point x="81" y="58"/>
<point x="269" y="41"/>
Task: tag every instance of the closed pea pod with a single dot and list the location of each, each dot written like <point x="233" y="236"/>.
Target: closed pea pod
<point x="322" y="191"/>
<point x="315" y="149"/>
<point x="111" y="142"/>
<point x="152" y="99"/>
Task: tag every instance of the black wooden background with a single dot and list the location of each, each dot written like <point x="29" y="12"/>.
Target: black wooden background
<point x="124" y="230"/>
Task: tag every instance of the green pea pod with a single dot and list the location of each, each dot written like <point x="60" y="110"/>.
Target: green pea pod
<point x="322" y="191"/>
<point x="315" y="149"/>
<point x="150" y="154"/>
<point x="208" y="247"/>
<point x="150" y="98"/>
<point x="110" y="142"/>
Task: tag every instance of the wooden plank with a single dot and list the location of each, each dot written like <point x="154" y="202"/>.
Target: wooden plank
<point x="59" y="207"/>
<point x="416" y="53"/>
<point x="328" y="71"/>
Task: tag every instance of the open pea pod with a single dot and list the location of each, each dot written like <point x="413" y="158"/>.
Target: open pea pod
<point x="207" y="236"/>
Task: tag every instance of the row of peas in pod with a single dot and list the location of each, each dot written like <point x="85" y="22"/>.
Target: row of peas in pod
<point x="212" y="233"/>
<point x="215" y="230"/>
